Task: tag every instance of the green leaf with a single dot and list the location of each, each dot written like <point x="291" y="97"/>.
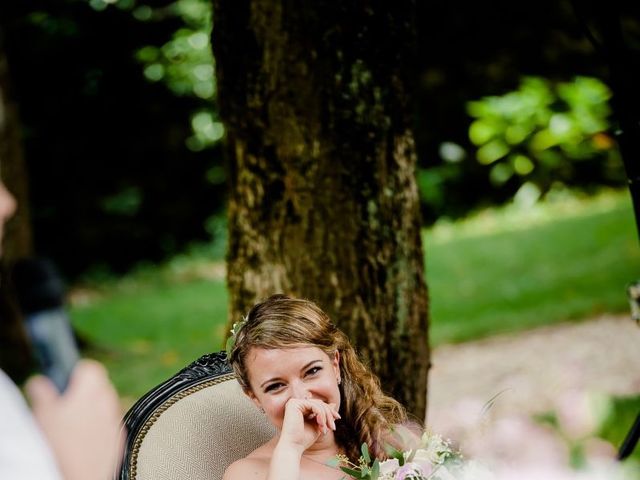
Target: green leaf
<point x="230" y="344"/>
<point x="516" y="134"/>
<point x="351" y="472"/>
<point x="522" y="164"/>
<point x="365" y="453"/>
<point x="481" y="131"/>
<point x="392" y="452"/>
<point x="500" y="173"/>
<point x="375" y="470"/>
<point x="492" y="151"/>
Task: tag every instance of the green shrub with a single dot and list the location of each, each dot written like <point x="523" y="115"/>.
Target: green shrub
<point x="544" y="134"/>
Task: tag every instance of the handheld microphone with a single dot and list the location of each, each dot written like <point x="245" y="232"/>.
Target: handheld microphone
<point x="40" y="294"/>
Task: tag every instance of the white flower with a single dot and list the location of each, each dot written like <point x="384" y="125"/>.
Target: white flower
<point x="434" y="448"/>
<point x="389" y="467"/>
<point x="430" y="456"/>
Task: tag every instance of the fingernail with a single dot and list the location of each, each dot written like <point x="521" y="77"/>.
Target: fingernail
<point x="324" y="430"/>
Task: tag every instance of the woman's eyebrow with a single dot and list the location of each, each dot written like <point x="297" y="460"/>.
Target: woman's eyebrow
<point x="307" y="365"/>
<point x="310" y="363"/>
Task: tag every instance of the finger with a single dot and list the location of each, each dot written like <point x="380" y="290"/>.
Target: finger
<point x="332" y="422"/>
<point x="334" y="410"/>
<point x="321" y="416"/>
<point x="305" y="407"/>
<point x="324" y="415"/>
<point x="89" y="374"/>
<point x="41" y="392"/>
<point x="331" y="418"/>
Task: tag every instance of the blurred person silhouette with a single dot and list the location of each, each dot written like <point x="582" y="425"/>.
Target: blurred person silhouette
<point x="75" y="435"/>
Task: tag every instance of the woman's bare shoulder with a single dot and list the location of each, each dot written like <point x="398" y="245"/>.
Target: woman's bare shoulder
<point x="254" y="465"/>
<point x="246" y="468"/>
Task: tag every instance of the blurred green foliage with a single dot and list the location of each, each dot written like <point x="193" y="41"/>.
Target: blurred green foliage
<point x="125" y="163"/>
<point x="541" y="138"/>
<point x="541" y="133"/>
<point x="184" y="63"/>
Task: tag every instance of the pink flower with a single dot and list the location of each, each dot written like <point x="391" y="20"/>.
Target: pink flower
<point x="409" y="470"/>
<point x="423" y="464"/>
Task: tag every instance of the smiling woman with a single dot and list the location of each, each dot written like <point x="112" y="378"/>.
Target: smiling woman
<point x="303" y="373"/>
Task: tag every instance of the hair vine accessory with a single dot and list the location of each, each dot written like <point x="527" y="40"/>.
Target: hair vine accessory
<point x="235" y="329"/>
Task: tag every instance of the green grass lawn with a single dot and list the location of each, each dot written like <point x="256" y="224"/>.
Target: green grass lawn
<point x="512" y="272"/>
<point x="145" y="334"/>
<point x="501" y="270"/>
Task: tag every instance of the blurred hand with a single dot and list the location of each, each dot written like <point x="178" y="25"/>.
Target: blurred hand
<point x="82" y="425"/>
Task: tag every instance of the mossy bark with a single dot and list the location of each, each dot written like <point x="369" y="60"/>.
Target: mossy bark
<point x="323" y="202"/>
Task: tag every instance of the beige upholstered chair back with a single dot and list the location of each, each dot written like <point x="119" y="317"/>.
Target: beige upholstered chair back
<point x="194" y="433"/>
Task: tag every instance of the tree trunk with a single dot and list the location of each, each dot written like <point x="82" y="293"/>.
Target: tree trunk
<point x="323" y="201"/>
<point x="17" y="241"/>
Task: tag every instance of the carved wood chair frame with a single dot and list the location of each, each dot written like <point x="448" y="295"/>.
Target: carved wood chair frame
<point x="208" y="370"/>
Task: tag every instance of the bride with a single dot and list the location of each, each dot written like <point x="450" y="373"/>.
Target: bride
<point x="301" y="371"/>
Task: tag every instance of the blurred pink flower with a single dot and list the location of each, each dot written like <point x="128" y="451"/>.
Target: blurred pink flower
<point x="410" y="470"/>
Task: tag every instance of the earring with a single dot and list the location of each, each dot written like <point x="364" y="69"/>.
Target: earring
<point x="262" y="409"/>
<point x="339" y="380"/>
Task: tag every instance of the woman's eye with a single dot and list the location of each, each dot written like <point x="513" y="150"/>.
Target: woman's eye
<point x="273" y="387"/>
<point x="314" y="370"/>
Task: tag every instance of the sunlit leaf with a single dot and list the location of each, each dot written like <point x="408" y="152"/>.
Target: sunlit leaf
<point x="560" y="125"/>
<point x="543" y="140"/>
<point x="154" y="72"/>
<point x="492" y="151"/>
<point x="500" y="173"/>
<point x="144" y="13"/>
<point x="522" y="165"/>
<point x="481" y="131"/>
<point x="517" y="133"/>
<point x="527" y="195"/>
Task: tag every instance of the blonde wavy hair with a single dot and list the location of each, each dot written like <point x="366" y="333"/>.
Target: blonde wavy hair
<point x="368" y="415"/>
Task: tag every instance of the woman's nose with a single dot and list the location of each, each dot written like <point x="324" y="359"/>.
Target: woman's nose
<point x="300" y="391"/>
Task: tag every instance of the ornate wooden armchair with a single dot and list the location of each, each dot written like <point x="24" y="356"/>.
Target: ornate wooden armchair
<point x="192" y="426"/>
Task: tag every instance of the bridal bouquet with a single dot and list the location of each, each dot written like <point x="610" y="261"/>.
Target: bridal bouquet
<point x="432" y="459"/>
